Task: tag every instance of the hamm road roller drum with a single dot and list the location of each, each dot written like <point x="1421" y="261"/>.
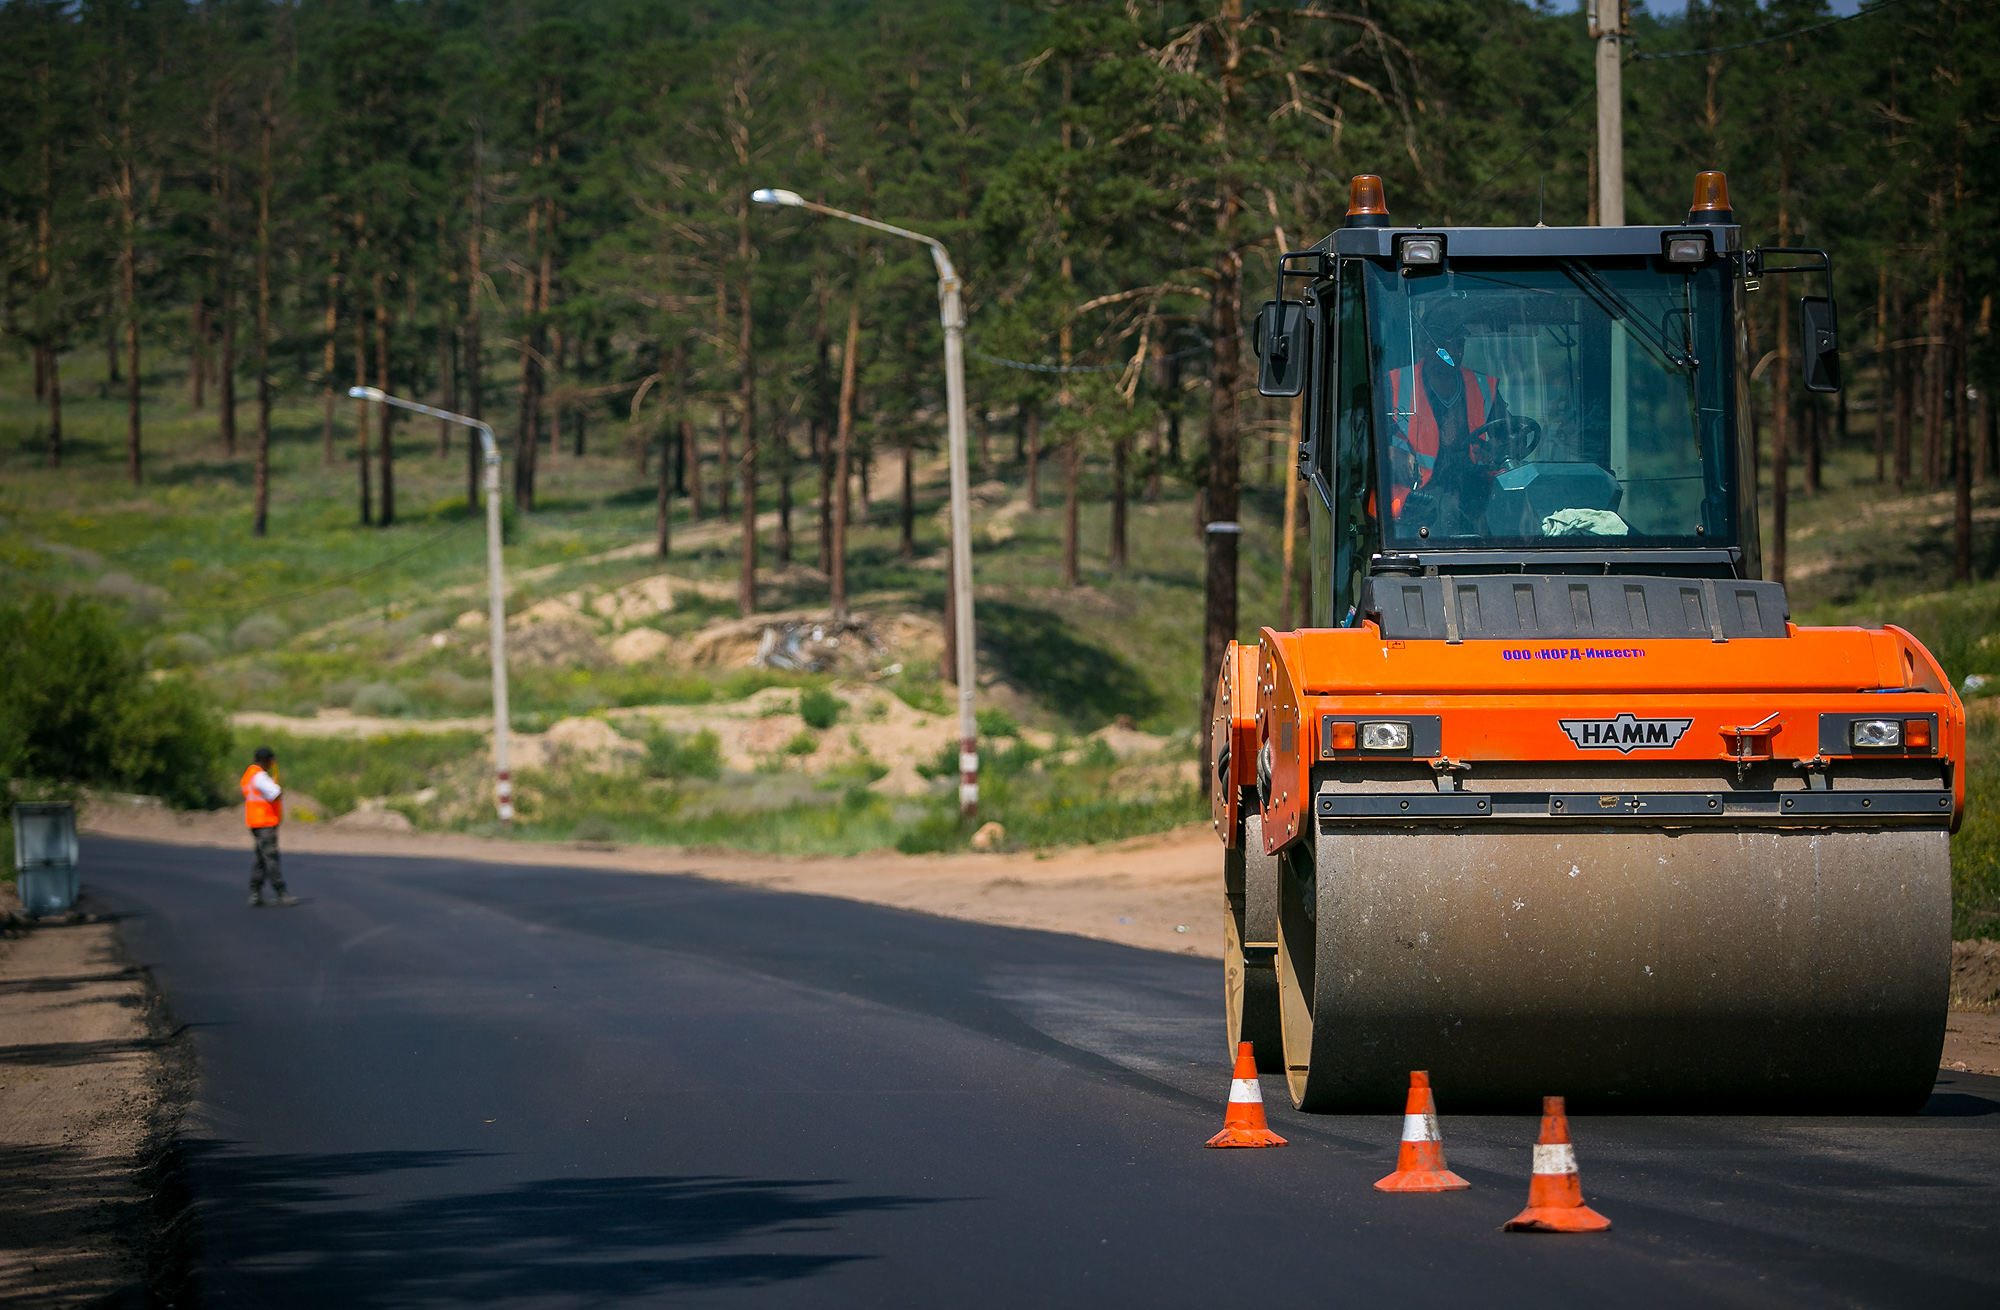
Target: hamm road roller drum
<point x="1732" y="969"/>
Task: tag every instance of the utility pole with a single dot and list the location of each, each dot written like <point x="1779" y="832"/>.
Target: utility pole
<point x="1610" y="20"/>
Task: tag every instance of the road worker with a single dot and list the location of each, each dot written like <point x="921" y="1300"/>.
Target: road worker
<point x="1441" y="413"/>
<point x="263" y="811"/>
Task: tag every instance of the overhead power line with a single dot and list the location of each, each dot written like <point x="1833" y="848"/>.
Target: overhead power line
<point x="1746" y="45"/>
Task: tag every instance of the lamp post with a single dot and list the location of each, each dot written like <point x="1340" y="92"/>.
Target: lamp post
<point x="496" y="589"/>
<point x="952" y="313"/>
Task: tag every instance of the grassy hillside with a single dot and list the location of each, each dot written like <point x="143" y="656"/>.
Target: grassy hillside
<point x="325" y="614"/>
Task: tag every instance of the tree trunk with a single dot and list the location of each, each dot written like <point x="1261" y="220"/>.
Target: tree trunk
<point x="1219" y="602"/>
<point x="1033" y="425"/>
<point x="691" y="453"/>
<point x="1813" y="429"/>
<point x="1882" y="388"/>
<point x="1781" y="438"/>
<point x="1934" y="375"/>
<point x="446" y="400"/>
<point x="725" y="463"/>
<point x="222" y="178"/>
<point x="781" y="432"/>
<point x="475" y="339"/>
<point x="670" y="431"/>
<point x="1899" y="371"/>
<point x="388" y="412"/>
<point x="527" y="441"/>
<point x="725" y="468"/>
<point x="1153" y="462"/>
<point x="329" y="359"/>
<point x="1288" y="577"/>
<point x="225" y="372"/>
<point x="823" y="422"/>
<point x="1072" y="478"/>
<point x="197" y="357"/>
<point x="129" y="290"/>
<point x="843" y="448"/>
<point x="746" y="586"/>
<point x="985" y="441"/>
<point x="54" y="379"/>
<point x="1961" y="403"/>
<point x="365" y="459"/>
<point x="1961" y="436"/>
<point x="260" y="518"/>
<point x="1121" y="446"/>
<point x="1989" y="452"/>
<point x="907" y="548"/>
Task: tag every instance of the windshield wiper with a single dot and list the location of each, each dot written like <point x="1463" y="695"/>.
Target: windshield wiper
<point x="1619" y="307"/>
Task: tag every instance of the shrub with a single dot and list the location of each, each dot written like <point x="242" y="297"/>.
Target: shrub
<point x="76" y="708"/>
<point x="803" y="742"/>
<point x="381" y="698"/>
<point x="997" y="722"/>
<point x="820" y="708"/>
<point x="178" y="650"/>
<point x="258" y="632"/>
<point x="673" y="755"/>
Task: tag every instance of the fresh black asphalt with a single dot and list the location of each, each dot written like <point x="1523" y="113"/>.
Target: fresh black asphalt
<point x="440" y="1082"/>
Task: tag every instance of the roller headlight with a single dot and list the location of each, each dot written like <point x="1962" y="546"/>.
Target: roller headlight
<point x="1876" y="734"/>
<point x="1385" y="736"/>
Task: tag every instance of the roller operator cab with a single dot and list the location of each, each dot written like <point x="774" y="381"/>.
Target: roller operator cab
<point x="1552" y="797"/>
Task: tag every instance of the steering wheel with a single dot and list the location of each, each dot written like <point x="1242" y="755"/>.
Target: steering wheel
<point x="1503" y="443"/>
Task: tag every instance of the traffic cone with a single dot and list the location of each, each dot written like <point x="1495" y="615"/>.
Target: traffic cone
<point x="1555" y="1197"/>
<point x="1244" y="1125"/>
<point x="1420" y="1162"/>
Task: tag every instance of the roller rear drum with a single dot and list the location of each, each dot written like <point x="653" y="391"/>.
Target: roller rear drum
<point x="1745" y="970"/>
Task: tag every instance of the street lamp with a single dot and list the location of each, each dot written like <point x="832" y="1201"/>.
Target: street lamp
<point x="953" y="316"/>
<point x="496" y="600"/>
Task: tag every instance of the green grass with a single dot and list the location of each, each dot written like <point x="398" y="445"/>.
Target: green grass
<point x="340" y="772"/>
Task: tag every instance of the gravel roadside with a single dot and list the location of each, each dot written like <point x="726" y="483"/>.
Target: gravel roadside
<point x="91" y="1085"/>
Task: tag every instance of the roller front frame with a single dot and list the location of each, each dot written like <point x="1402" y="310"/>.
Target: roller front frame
<point x="1739" y="921"/>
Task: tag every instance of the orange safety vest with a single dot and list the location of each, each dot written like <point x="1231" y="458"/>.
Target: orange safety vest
<point x="258" y="812"/>
<point x="1420" y="440"/>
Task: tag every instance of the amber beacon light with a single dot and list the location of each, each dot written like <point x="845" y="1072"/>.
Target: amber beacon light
<point x="1711" y="199"/>
<point x="1367" y="205"/>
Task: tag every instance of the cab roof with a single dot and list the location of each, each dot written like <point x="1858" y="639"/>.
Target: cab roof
<point x="1530" y="242"/>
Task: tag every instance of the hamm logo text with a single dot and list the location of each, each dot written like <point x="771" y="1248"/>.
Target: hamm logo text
<point x="1624" y="733"/>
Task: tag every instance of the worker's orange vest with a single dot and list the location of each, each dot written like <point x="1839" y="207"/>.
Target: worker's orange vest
<point x="1421" y="441"/>
<point x="258" y="812"/>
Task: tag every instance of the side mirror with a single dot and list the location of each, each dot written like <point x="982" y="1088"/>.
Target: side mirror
<point x="1279" y="338"/>
<point x="1819" y="344"/>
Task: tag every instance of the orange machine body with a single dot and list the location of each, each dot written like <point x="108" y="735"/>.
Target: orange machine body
<point x="1559" y="703"/>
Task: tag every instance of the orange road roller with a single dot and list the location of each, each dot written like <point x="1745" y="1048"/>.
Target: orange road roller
<point x="1552" y="795"/>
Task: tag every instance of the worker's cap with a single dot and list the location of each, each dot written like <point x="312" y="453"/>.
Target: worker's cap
<point x="265" y="755"/>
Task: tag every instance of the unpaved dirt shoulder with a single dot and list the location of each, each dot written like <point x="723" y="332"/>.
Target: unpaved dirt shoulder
<point x="88" y="1091"/>
<point x="1161" y="893"/>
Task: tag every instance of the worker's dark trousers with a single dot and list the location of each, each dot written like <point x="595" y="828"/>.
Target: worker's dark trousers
<point x="265" y="863"/>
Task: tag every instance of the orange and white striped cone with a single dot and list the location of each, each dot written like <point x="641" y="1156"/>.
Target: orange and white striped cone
<point x="1244" y="1125"/>
<point x="1555" y="1197"/>
<point x="1420" y="1162"/>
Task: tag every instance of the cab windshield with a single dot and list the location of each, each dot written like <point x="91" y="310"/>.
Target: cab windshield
<point x="1551" y="402"/>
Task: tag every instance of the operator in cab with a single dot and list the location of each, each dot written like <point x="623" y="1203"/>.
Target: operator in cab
<point x="1439" y="413"/>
